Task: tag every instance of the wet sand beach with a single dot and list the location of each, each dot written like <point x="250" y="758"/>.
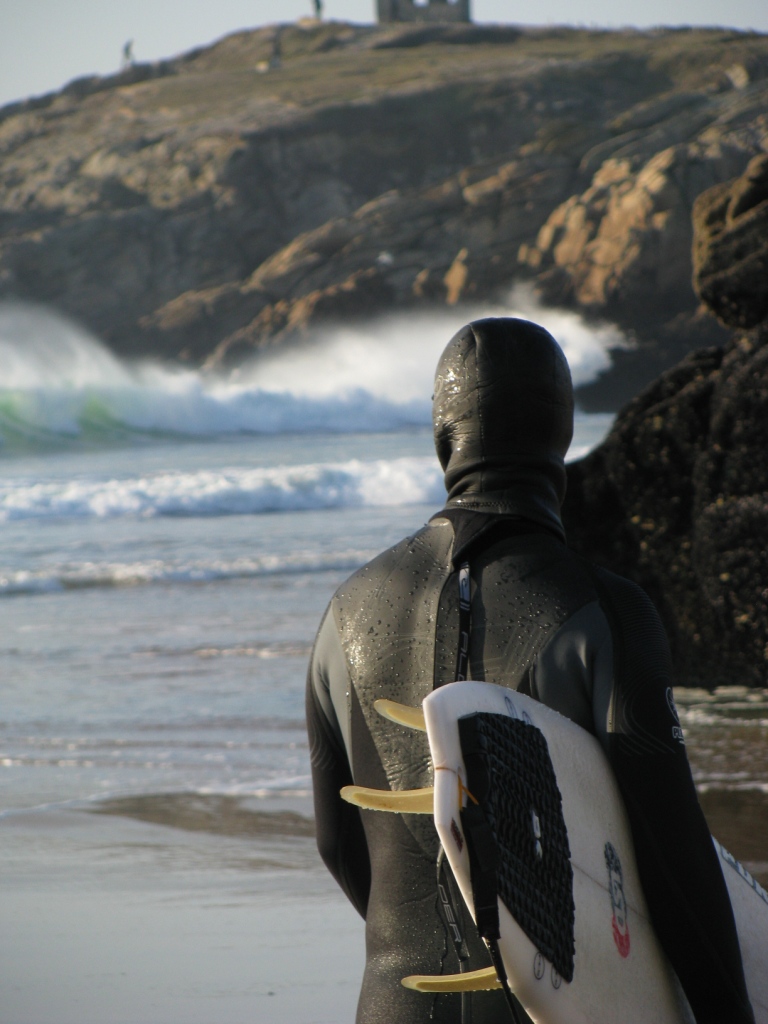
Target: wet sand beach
<point x="727" y="741"/>
<point x="221" y="915"/>
<point x="206" y="909"/>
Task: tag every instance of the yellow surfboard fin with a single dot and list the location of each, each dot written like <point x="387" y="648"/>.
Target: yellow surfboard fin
<point x="403" y="714"/>
<point x="472" y="981"/>
<point x="402" y="801"/>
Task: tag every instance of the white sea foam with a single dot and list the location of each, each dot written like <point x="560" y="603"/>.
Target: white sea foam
<point x="235" y="491"/>
<point x="727" y="707"/>
<point x="80" y="575"/>
<point x="60" y="385"/>
<point x="395" y="357"/>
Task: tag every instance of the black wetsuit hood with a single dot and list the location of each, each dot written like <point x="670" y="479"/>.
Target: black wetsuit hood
<point x="503" y="420"/>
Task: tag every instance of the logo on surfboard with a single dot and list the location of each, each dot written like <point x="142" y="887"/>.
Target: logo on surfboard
<point x="514" y="713"/>
<point x="458" y="837"/>
<point x="619" y="922"/>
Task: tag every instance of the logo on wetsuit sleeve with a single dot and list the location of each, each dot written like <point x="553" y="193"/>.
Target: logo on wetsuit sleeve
<point x="619" y="922"/>
<point x="677" y="732"/>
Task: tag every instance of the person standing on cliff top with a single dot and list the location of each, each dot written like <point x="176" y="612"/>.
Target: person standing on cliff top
<point x="543" y="621"/>
<point x="128" y="59"/>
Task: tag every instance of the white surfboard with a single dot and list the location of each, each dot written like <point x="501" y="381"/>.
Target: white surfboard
<point x="616" y="970"/>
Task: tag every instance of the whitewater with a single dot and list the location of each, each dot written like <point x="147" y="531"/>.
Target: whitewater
<point x="60" y="385"/>
<point x="63" y="394"/>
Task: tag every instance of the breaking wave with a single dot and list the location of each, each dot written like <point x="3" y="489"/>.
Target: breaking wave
<point x="235" y="491"/>
<point x="86" y="575"/>
<point x="62" y="387"/>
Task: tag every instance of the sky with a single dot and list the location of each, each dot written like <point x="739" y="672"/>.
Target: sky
<point x="46" y="43"/>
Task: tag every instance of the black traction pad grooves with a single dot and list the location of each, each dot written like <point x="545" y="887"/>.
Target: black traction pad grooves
<point x="510" y="774"/>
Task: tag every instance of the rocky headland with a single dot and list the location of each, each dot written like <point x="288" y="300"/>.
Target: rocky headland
<point x="677" y="495"/>
<point x="239" y="196"/>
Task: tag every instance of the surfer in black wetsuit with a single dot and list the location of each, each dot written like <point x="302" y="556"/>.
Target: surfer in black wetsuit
<point x="576" y="637"/>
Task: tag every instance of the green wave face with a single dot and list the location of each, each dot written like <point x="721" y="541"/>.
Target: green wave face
<point x="45" y="420"/>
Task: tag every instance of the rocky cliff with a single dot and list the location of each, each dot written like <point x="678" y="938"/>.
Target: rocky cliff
<point x="205" y="207"/>
<point x="677" y="496"/>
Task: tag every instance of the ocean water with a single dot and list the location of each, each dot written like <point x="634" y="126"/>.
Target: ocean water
<point x="169" y="543"/>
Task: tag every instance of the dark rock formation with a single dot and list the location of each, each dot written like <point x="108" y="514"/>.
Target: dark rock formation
<point x="677" y="495"/>
<point x="226" y="200"/>
<point x="731" y="253"/>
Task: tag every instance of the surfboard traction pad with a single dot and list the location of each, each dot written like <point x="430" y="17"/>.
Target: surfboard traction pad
<point x="510" y="774"/>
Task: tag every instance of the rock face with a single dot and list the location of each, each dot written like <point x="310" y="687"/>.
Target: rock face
<point x="623" y="245"/>
<point x="439" y="245"/>
<point x="731" y="253"/>
<point x="206" y="206"/>
<point x="677" y="496"/>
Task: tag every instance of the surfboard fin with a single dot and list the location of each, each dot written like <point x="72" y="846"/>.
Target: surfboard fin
<point x="472" y="981"/>
<point x="403" y="714"/>
<point x="402" y="801"/>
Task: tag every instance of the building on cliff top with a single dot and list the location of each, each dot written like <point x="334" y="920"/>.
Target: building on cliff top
<point x="431" y="11"/>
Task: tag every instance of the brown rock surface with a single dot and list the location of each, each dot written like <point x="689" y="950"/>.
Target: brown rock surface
<point x="623" y="246"/>
<point x="438" y="245"/>
<point x="731" y="253"/>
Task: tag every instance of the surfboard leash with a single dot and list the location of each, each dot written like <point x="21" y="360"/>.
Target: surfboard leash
<point x="453" y="922"/>
<point x="501" y="974"/>
<point x="483" y="860"/>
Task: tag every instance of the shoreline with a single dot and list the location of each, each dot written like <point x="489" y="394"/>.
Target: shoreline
<point x="123" y="921"/>
<point x="188" y="908"/>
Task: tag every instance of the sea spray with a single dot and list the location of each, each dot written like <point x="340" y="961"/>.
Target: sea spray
<point x="60" y="386"/>
<point x="394" y="357"/>
<point x="42" y="350"/>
